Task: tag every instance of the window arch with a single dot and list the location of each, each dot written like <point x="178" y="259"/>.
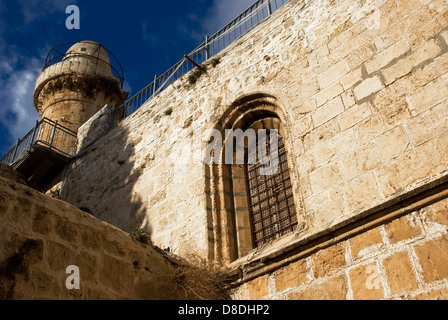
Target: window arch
<point x="246" y="209"/>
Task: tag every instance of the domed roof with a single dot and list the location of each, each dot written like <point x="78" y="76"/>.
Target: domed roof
<point x="87" y="48"/>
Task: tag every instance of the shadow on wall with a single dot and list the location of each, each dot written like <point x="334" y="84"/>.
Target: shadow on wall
<point x="100" y="178"/>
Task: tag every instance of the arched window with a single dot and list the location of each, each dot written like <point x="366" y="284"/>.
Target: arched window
<point x="249" y="207"/>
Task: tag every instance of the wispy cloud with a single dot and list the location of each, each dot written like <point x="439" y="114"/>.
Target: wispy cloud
<point x="36" y="9"/>
<point x="127" y="87"/>
<point x="18" y="70"/>
<point x="148" y="37"/>
<point x="222" y="12"/>
<point x="17" y="113"/>
<point x="219" y="14"/>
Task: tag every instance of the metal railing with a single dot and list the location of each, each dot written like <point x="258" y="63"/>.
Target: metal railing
<point x="54" y="136"/>
<point x="246" y="21"/>
<point x="58" y="53"/>
<point x="46" y="133"/>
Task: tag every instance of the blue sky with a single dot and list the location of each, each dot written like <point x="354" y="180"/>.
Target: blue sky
<point x="147" y="38"/>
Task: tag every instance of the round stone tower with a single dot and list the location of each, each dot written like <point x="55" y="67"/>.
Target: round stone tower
<point x="75" y="85"/>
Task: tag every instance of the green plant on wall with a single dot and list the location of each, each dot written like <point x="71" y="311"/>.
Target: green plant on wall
<point x="194" y="75"/>
<point x="215" y="62"/>
<point x="55" y="193"/>
<point x="141" y="235"/>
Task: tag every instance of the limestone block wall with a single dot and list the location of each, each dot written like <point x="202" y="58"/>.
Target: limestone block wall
<point x="402" y="256"/>
<point x="94" y="128"/>
<point x="41" y="236"/>
<point x="361" y="88"/>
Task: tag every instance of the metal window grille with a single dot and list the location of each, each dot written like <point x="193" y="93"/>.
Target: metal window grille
<point x="271" y="199"/>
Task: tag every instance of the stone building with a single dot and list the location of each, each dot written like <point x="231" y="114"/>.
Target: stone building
<point x="358" y="208"/>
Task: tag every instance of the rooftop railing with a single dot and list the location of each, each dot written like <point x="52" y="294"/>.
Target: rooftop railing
<point x="46" y="133"/>
<point x="246" y="21"/>
<point x="54" y="136"/>
<point x="58" y="53"/>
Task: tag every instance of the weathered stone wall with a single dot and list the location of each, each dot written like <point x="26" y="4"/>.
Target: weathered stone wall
<point x="361" y="86"/>
<point x="95" y="127"/>
<point x="9" y="173"/>
<point x="41" y="236"/>
<point x="402" y="255"/>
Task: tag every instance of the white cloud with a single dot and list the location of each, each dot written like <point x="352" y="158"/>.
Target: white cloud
<point x="222" y="12"/>
<point x="35" y="9"/>
<point x="18" y="73"/>
<point x="6" y="65"/>
<point x="151" y="39"/>
<point x="126" y="86"/>
<point x="17" y="112"/>
<point x="218" y="15"/>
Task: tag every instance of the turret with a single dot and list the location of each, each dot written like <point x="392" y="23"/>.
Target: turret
<point x="81" y="83"/>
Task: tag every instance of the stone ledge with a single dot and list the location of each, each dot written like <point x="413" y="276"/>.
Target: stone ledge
<point x="298" y="246"/>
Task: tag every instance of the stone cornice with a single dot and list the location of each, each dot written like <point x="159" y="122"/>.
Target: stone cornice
<point x="71" y="75"/>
